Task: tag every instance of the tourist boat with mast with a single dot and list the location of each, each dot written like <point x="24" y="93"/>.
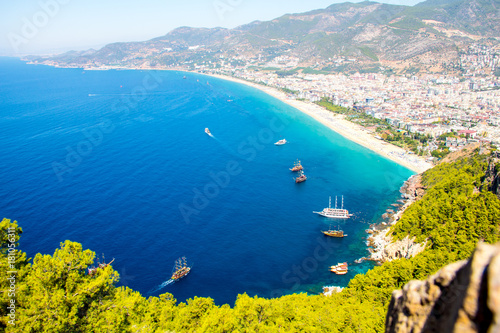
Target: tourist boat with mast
<point x="301" y="178"/>
<point x="297" y="166"/>
<point x="334" y="233"/>
<point x="339" y="213"/>
<point x="339" y="269"/>
<point x="280" y="142"/>
<point x="181" y="269"/>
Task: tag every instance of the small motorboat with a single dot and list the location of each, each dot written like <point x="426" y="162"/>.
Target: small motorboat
<point x="280" y="142"/>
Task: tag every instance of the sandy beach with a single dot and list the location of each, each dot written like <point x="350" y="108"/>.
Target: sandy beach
<point x="347" y="129"/>
<point x="335" y="122"/>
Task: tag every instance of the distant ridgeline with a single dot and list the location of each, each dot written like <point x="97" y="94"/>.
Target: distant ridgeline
<point x="436" y="36"/>
<point x="55" y="293"/>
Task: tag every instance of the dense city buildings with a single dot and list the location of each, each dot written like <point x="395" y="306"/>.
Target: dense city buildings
<point x="467" y="104"/>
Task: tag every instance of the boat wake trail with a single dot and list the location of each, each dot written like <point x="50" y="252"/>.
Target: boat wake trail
<point x="160" y="286"/>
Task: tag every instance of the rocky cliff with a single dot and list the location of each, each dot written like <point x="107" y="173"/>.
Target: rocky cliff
<point x="492" y="177"/>
<point x="461" y="297"/>
<point x="383" y="248"/>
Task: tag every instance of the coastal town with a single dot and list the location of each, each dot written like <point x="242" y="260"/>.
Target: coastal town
<point x="425" y="113"/>
<point x="433" y="105"/>
<point x="452" y="108"/>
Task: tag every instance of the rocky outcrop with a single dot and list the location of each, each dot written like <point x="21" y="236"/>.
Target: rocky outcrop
<point x="413" y="189"/>
<point x="386" y="250"/>
<point x="492" y="177"/>
<point x="330" y="290"/>
<point x="382" y="246"/>
<point x="462" y="297"/>
<point x="405" y="248"/>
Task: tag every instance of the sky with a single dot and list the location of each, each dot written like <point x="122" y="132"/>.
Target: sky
<point x="56" y="26"/>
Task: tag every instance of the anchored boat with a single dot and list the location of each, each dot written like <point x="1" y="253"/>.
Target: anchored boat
<point x="339" y="269"/>
<point x="280" y="142"/>
<point x="334" y="233"/>
<point x="301" y="178"/>
<point x="297" y="166"/>
<point x="181" y="269"/>
<point x="339" y="213"/>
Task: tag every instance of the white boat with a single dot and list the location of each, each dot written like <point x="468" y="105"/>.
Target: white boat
<point x="280" y="142"/>
<point x="207" y="131"/>
<point x="338" y="213"/>
<point x="339" y="269"/>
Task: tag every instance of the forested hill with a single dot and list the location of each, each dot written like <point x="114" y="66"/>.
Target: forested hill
<point x="55" y="293"/>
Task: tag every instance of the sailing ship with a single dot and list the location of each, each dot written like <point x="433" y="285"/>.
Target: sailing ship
<point x="339" y="213"/>
<point x="334" y="233"/>
<point x="181" y="269"/>
<point x="297" y="166"/>
<point x="280" y="142"/>
<point x="301" y="178"/>
<point x="339" y="269"/>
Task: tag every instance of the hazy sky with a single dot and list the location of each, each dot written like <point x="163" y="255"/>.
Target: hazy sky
<point x="54" y="26"/>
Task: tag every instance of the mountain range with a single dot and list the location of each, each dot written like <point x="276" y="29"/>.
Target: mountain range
<point x="429" y="36"/>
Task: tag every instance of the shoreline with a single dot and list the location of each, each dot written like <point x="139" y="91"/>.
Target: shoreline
<point x="380" y="242"/>
<point x="353" y="132"/>
<point x="336" y="122"/>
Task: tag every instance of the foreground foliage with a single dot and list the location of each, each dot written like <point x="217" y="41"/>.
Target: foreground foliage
<point x="55" y="294"/>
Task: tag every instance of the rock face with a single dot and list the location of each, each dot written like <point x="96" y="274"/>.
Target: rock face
<point x="386" y="250"/>
<point x="405" y="248"/>
<point x="462" y="297"/>
<point x="492" y="177"/>
<point x="413" y="189"/>
<point x="383" y="247"/>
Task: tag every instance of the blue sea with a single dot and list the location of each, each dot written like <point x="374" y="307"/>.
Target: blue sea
<point x="119" y="161"/>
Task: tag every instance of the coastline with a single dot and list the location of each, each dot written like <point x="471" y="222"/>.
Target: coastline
<point x="338" y="124"/>
<point x="380" y="241"/>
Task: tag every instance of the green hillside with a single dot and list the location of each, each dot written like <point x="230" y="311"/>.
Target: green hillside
<point x="55" y="293"/>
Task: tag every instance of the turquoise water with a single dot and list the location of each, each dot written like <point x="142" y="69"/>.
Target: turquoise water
<point x="119" y="161"/>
